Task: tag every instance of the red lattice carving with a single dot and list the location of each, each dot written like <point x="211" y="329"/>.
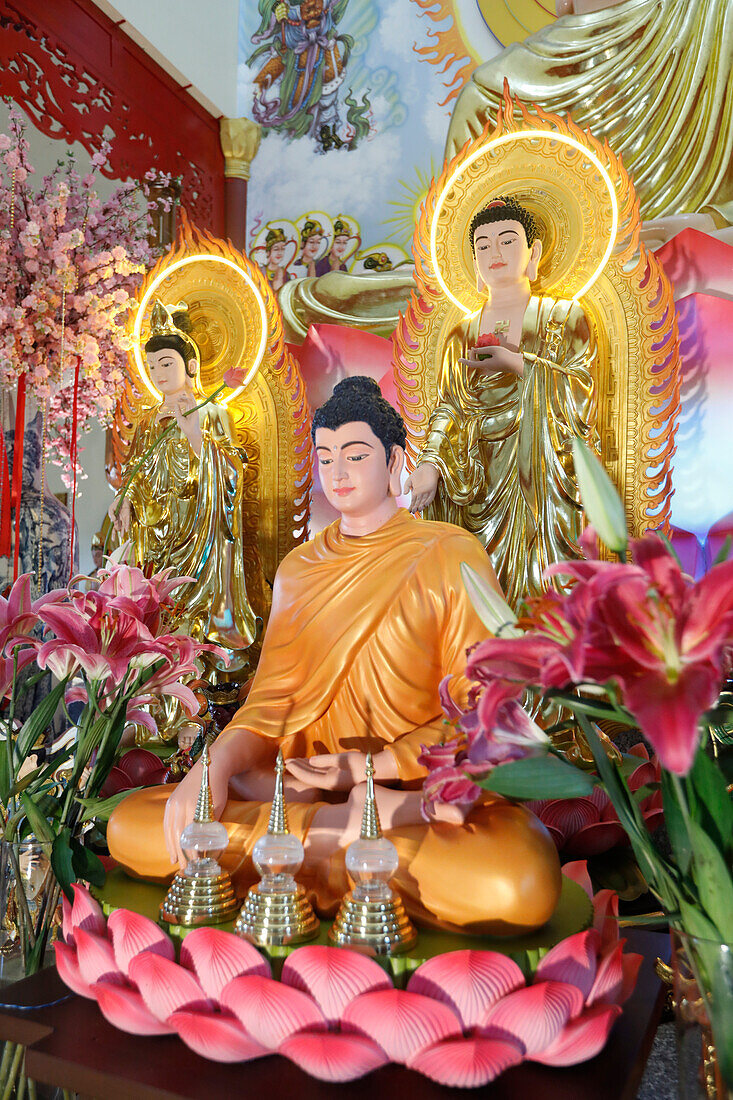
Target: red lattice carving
<point x="80" y="78"/>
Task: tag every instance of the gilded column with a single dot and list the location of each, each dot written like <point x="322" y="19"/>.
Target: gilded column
<point x="240" y="140"/>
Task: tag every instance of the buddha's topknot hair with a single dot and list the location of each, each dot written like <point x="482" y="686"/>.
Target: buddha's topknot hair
<point x="505" y="208"/>
<point x="360" y="398"/>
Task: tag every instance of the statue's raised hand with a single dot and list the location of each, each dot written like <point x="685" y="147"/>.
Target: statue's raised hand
<point x="423" y="484"/>
<point x="181" y="806"/>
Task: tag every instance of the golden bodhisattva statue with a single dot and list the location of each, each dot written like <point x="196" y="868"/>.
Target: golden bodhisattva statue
<point x="183" y="506"/>
<point x="497" y="458"/>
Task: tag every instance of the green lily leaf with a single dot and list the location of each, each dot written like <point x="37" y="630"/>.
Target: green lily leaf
<point x="538" y="777"/>
<point x="37" y="723"/>
<point x="710" y="803"/>
<point x="712" y="875"/>
<point x="37" y="820"/>
<point x="674" y="820"/>
<point x="100" y="809"/>
<point x="62" y="862"/>
<point x="86" y="864"/>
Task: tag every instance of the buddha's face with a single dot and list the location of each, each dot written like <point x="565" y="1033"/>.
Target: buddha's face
<point x="502" y="256"/>
<point x="312" y="246"/>
<point x="168" y="371"/>
<point x="353" y="469"/>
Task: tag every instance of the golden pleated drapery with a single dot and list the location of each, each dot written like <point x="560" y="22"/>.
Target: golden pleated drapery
<point x="502" y="444"/>
<point x="187" y="515"/>
<point x="652" y="77"/>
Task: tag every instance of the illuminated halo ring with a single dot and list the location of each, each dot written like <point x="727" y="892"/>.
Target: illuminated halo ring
<point x="228" y="317"/>
<point x="564" y="185"/>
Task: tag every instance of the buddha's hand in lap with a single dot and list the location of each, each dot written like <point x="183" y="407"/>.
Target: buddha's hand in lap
<point x="340" y="771"/>
<point x="181" y="806"/>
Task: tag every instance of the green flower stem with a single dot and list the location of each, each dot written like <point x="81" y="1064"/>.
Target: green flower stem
<point x="26" y="924"/>
<point x="153" y="447"/>
<point x="14" y="1070"/>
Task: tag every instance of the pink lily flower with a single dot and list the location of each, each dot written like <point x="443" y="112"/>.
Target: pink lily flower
<point x="662" y="638"/>
<point x="19" y="612"/>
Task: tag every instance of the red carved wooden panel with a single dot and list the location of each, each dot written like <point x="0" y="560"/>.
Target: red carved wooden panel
<point x="80" y="78"/>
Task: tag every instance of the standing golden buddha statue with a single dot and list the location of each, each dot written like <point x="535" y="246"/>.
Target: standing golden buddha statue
<point x="497" y="458"/>
<point x="183" y="507"/>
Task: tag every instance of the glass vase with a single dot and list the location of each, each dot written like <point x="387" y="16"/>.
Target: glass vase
<point x="703" y="1002"/>
<point x="22" y="915"/>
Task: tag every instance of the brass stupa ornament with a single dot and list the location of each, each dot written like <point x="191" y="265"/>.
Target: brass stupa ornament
<point x="372" y="918"/>
<point x="202" y="893"/>
<point x="276" y="911"/>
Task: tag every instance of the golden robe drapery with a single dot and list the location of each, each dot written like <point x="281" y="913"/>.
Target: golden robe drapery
<point x="187" y="515"/>
<point x="502" y="444"/>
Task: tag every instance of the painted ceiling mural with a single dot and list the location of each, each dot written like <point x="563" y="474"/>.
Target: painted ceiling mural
<point x="354" y="97"/>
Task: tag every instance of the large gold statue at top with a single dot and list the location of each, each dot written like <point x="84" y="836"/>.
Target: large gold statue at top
<point x="651" y="77"/>
<point x="183" y="506"/>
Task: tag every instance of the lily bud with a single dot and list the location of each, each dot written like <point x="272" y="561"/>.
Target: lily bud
<point x="601" y="502"/>
<point x="496" y="615"/>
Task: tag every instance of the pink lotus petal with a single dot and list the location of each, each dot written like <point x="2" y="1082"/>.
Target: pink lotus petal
<point x="605" y="918"/>
<point x="132" y="933"/>
<point x="124" y="1008"/>
<point x="403" y="1023"/>
<point x="596" y="838"/>
<point x="582" y="1038"/>
<point x="616" y="977"/>
<point x="573" y="960"/>
<point x="333" y="977"/>
<point x="218" y="956"/>
<point x="270" y="1011"/>
<point x="68" y="968"/>
<point x="467" y="1063"/>
<point x="220" y="1038"/>
<point x="96" y="958"/>
<point x="533" y="1016"/>
<point x="165" y="986"/>
<point x="467" y="981"/>
<point x="332" y="1057"/>
<point x="577" y="871"/>
<point x="84" y="913"/>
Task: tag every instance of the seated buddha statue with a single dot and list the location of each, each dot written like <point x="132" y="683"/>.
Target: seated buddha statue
<point x="497" y="456"/>
<point x="367" y="619"/>
<point x="183" y="505"/>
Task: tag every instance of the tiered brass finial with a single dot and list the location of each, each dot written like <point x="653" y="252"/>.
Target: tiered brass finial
<point x="276" y="911"/>
<point x="202" y="893"/>
<point x="278" y="823"/>
<point x="372" y="918"/>
<point x="371" y="828"/>
<point x="204" y="806"/>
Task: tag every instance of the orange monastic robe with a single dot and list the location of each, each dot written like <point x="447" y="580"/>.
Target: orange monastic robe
<point x="379" y="618"/>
